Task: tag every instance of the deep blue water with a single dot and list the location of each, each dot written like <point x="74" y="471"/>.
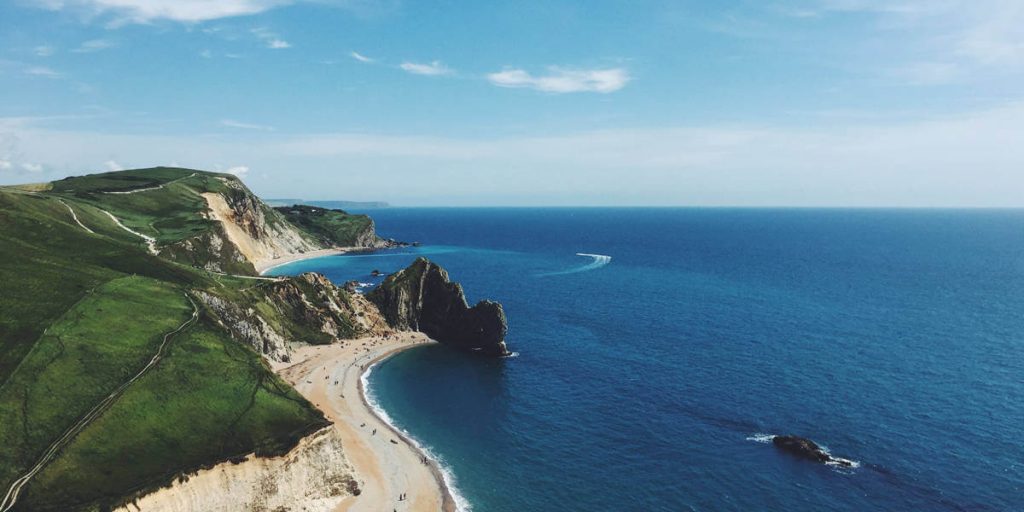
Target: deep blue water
<point x="894" y="337"/>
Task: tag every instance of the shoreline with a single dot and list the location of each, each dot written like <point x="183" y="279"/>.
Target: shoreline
<point x="264" y="266"/>
<point x="449" y="502"/>
<point x="387" y="463"/>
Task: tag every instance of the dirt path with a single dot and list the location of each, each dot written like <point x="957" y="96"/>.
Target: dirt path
<point x="12" y="493"/>
<point x="150" y="241"/>
<point x="75" y="217"/>
<point x="158" y="187"/>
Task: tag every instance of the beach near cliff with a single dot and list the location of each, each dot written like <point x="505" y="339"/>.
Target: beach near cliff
<point x="387" y="465"/>
<point x="264" y="265"/>
<point x="321" y="474"/>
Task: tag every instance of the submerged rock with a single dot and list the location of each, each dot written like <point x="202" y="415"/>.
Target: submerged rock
<point x="422" y="298"/>
<point x="806" y="449"/>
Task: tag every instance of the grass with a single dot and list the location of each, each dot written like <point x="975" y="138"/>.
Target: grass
<point x="329" y="227"/>
<point x="234" y="406"/>
<point x="81" y="312"/>
<point x="80" y="360"/>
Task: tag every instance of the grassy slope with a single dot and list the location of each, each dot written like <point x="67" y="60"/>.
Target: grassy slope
<point x="100" y="326"/>
<point x="330" y="227"/>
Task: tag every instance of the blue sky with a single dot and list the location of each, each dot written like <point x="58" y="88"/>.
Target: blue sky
<point x="801" y="103"/>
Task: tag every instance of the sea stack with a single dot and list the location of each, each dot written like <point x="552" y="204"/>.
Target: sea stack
<point x="422" y="298"/>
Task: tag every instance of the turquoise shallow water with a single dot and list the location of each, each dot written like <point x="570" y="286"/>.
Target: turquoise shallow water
<point x="893" y="337"/>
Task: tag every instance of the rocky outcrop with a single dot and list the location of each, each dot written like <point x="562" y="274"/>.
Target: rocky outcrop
<point x="307" y="308"/>
<point x="422" y="298"/>
<point x="806" y="449"/>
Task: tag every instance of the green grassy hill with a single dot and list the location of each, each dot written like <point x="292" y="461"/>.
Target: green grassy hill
<point x="332" y="227"/>
<point x="85" y="306"/>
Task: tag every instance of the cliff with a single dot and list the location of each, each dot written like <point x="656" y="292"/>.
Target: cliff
<point x="307" y="308"/>
<point x="335" y="227"/>
<point x="422" y="298"/>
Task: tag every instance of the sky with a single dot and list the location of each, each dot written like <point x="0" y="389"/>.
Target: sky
<point x="910" y="103"/>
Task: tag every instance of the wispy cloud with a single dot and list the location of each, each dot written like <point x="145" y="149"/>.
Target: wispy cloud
<point x="231" y="123"/>
<point x="206" y="54"/>
<point x="943" y="41"/>
<point x="959" y="160"/>
<point x="561" y="80"/>
<point x="434" y="68"/>
<point x="44" y="50"/>
<point x="94" y="45"/>
<point x="5" y="165"/>
<point x="32" y="167"/>
<point x="361" y="58"/>
<point x="42" y="71"/>
<point x="272" y="40"/>
<point x="112" y="165"/>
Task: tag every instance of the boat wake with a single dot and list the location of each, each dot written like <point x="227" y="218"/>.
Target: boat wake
<point x="599" y="260"/>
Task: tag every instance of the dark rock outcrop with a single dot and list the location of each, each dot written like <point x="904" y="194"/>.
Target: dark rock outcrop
<point x="806" y="449"/>
<point x="422" y="298"/>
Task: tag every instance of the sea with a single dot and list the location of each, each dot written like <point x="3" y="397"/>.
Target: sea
<point x="658" y="350"/>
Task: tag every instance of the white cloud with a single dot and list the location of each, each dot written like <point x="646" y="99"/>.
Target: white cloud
<point x="239" y="170"/>
<point x="231" y="123"/>
<point x="5" y="165"/>
<point x="361" y="58"/>
<point x="44" y="50"/>
<point x="94" y="45"/>
<point x="42" y="71"/>
<point x="111" y="165"/>
<point x="434" y="68"/>
<point x="31" y="167"/>
<point x="147" y="11"/>
<point x="278" y="44"/>
<point x="560" y="80"/>
<point x="206" y="54"/>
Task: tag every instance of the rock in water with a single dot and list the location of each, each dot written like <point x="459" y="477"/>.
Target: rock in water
<point x="422" y="298"/>
<point x="806" y="449"/>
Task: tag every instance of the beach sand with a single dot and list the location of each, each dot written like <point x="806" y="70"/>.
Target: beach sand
<point x="263" y="265"/>
<point x="386" y="464"/>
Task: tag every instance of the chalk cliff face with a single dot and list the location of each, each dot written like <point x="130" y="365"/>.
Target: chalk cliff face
<point x="314" y="477"/>
<point x="259" y="232"/>
<point x="422" y="298"/>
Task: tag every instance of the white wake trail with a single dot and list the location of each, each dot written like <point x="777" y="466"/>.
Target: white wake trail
<point x="599" y="260"/>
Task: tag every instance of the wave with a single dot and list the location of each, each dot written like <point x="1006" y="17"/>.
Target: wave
<point x="461" y="504"/>
<point x="761" y="438"/>
<point x="599" y="260"/>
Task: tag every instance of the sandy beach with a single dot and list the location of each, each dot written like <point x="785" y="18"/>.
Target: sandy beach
<point x="386" y="464"/>
<point x="263" y="265"/>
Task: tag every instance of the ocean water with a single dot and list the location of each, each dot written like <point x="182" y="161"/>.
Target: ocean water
<point x="659" y="348"/>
